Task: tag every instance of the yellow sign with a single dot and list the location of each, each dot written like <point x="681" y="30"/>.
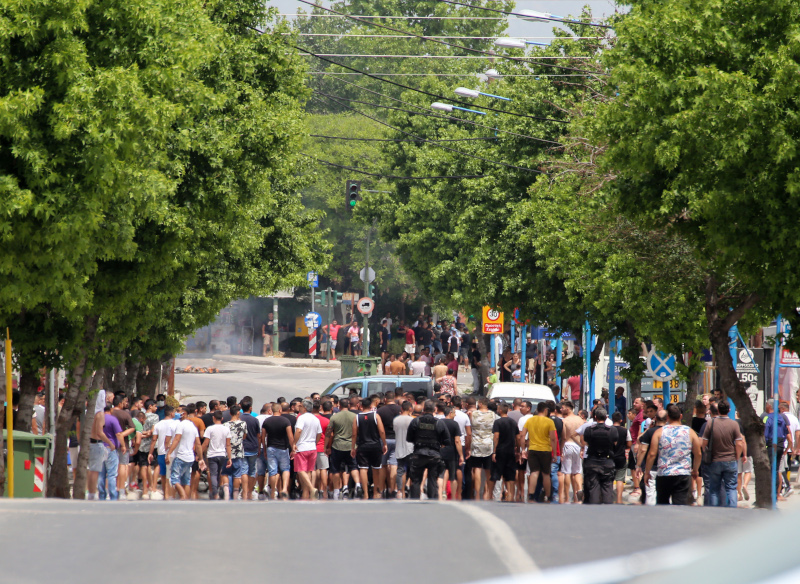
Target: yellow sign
<point x="673" y="398"/>
<point x="492" y="321"/>
<point x="673" y="384"/>
<point x="300" y="329"/>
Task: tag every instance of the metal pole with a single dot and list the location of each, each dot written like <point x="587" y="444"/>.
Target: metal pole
<point x="612" y="377"/>
<point x="587" y="355"/>
<point x="733" y="337"/>
<point x="775" y="396"/>
<point x="366" y="293"/>
<point x="523" y="345"/>
<point x="491" y="343"/>
<point x="513" y="338"/>
<point x="330" y="319"/>
<point x="542" y="359"/>
<point x="274" y="326"/>
<point x="559" y="351"/>
<point x="9" y="421"/>
<point x="51" y="411"/>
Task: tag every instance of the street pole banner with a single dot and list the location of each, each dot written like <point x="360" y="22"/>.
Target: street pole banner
<point x="312" y="342"/>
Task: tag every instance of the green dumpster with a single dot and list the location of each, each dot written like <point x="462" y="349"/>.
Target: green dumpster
<point x="30" y="464"/>
<point x="359" y="366"/>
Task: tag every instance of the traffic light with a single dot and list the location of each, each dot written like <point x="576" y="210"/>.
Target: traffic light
<point x="372" y="290"/>
<point x="321" y="297"/>
<point x="353" y="193"/>
<point x="337" y="299"/>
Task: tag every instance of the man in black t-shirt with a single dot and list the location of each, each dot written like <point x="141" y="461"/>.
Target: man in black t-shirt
<point x="620" y="462"/>
<point x="504" y="453"/>
<point x="649" y="491"/>
<point x="383" y="339"/>
<point x="425" y="337"/>
<point x="387" y="476"/>
<point x="277" y="438"/>
<point x="452" y="453"/>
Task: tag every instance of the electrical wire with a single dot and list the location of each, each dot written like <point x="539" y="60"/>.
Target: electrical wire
<point x="434" y="142"/>
<point x="429" y="56"/>
<point x="425" y="112"/>
<point x="423" y="37"/>
<point x="345" y="138"/>
<point x="434" y="95"/>
<point x="525" y="16"/>
<point x="459" y="176"/>
<point x="399" y="36"/>
<point x="434" y="74"/>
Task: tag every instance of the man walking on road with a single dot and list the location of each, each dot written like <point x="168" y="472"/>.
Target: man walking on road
<point x="163" y="432"/>
<point x="677" y="448"/>
<point x="277" y="438"/>
<point x="538" y="441"/>
<point x="338" y="440"/>
<point x="307" y="432"/>
<point x="368" y="444"/>
<point x="100" y="445"/>
<point x="387" y="477"/>
<point x="250" y="444"/>
<point x="218" y="451"/>
<point x="428" y="436"/>
<point x="726" y="442"/>
<point x="571" y="459"/>
<point x="601" y="443"/>
<point x="185" y="445"/>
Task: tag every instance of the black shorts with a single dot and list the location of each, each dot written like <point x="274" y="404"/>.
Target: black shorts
<point x="540" y="460"/>
<point x="450" y="465"/>
<point x="141" y="459"/>
<point x="484" y="462"/>
<point x="369" y="455"/>
<point x="384" y="348"/>
<point x="505" y="468"/>
<point x="341" y="461"/>
<point x="195" y="467"/>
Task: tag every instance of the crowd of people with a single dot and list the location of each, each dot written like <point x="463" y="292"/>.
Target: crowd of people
<point x="406" y="446"/>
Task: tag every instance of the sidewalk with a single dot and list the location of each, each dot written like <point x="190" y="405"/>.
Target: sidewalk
<point x="194" y="358"/>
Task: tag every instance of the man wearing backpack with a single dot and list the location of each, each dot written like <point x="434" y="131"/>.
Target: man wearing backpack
<point x="784" y="437"/>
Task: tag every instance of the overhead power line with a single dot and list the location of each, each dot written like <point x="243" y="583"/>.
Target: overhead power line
<point x="432" y="74"/>
<point x="526" y="16"/>
<point x="391" y="176"/>
<point x="408" y="36"/>
<point x="348" y="139"/>
<point x="434" y="142"/>
<point x="434" y="95"/>
<point x="463" y="48"/>
<point x="428" y="56"/>
<point x="426" y="112"/>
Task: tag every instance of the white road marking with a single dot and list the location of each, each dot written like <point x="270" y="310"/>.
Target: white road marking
<point x="502" y="539"/>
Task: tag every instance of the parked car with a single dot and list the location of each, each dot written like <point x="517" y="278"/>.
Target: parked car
<point x="366" y="386"/>
<point x="509" y="391"/>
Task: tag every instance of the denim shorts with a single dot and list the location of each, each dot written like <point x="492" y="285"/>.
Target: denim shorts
<point x="390" y="458"/>
<point x="278" y="460"/>
<point x="97" y="456"/>
<point x="261" y="466"/>
<point x="250" y="464"/>
<point x="162" y="464"/>
<point x="181" y="472"/>
<point x="237" y="469"/>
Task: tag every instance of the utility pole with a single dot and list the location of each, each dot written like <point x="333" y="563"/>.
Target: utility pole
<point x="274" y="326"/>
<point x="330" y="320"/>
<point x="365" y="340"/>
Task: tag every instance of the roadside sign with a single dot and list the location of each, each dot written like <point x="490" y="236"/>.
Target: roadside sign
<point x="365" y="305"/>
<point x="492" y="321"/>
<point x="367" y="275"/>
<point x="661" y="366"/>
<point x="789" y="357"/>
<point x="313" y="320"/>
<point x="313" y="279"/>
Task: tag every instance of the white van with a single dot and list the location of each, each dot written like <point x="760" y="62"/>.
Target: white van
<point x="509" y="391"/>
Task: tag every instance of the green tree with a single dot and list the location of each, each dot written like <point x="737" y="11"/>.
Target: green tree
<point x="702" y="140"/>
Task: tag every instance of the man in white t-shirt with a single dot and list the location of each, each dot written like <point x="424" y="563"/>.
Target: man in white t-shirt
<point x="307" y="432"/>
<point x="418" y="367"/>
<point x="163" y="432"/>
<point x="185" y="445"/>
<point x="261" y="461"/>
<point x="218" y="452"/>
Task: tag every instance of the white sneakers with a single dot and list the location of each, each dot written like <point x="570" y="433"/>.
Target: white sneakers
<point x="156" y="496"/>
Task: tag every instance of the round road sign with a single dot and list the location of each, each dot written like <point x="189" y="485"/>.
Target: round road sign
<point x="365" y="305"/>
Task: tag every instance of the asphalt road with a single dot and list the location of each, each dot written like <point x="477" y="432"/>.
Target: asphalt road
<point x="264" y="383"/>
<point x="331" y="542"/>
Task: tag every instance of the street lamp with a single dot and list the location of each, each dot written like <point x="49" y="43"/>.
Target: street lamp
<point x="464" y="92"/>
<point x="517" y="43"/>
<point x="535" y="16"/>
<point x="446" y="107"/>
<point x="493" y="74"/>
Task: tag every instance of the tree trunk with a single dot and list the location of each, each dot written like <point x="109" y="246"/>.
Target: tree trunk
<point x="691" y="395"/>
<point x="79" y="486"/>
<point x="131" y="374"/>
<point x="486" y="353"/>
<point x="2" y="425"/>
<point x="141" y="380"/>
<point x="149" y="386"/>
<point x="28" y="387"/>
<point x="120" y="373"/>
<point x="719" y="323"/>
